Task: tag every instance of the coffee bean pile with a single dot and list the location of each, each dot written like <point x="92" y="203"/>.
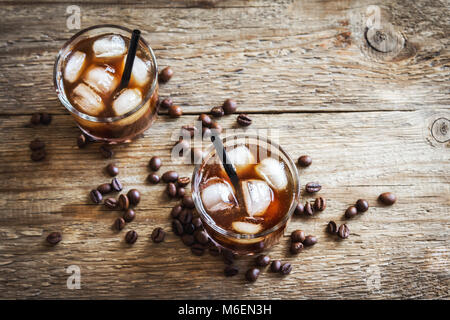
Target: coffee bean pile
<point x="37" y="147"/>
<point x="40" y="118"/>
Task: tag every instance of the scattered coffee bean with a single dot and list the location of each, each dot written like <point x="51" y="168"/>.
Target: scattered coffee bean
<point x="104" y="188"/>
<point x="214" y="250"/>
<point x="166" y="103"/>
<point x="299" y="209"/>
<point x="332" y="227"/>
<point x="343" y="231"/>
<point x="197" y="222"/>
<point x="82" y="141"/>
<point x="387" y="198"/>
<point x="158" y="235"/>
<point x="296" y="247"/>
<point x="197" y="249"/>
<point x="298" y="236"/>
<point x="134" y="196"/>
<point x="362" y="205"/>
<point x="275" y="266"/>
<point x="286" y="269"/>
<point x="312" y="187"/>
<point x="351" y="212"/>
<point x="116" y="185"/>
<point x="112" y="170"/>
<point x="201" y="237"/>
<point x="188" y="132"/>
<point x="182" y="146"/>
<point x="262" y="260"/>
<point x="96" y="196"/>
<point x="304" y="161"/>
<point x="216" y="127"/>
<point x="183" y="181"/>
<point x="309" y="209"/>
<point x="229" y="106"/>
<point x="252" y="274"/>
<point x="153" y="178"/>
<point x="155" y="163"/>
<point x="177" y="227"/>
<point x="111" y="203"/>
<point x="38" y="155"/>
<point x="171" y="190"/>
<point x="165" y="75"/>
<point x="35" y="119"/>
<point x="175" y="111"/>
<point x="37" y="144"/>
<point x="181" y="192"/>
<point x="187" y="202"/>
<point x="244" y="120"/>
<point x="46" y="118"/>
<point x="188" y="239"/>
<point x="129" y="215"/>
<point x="185" y="216"/>
<point x="170" y="176"/>
<point x="230" y="271"/>
<point x="228" y="256"/>
<point x="106" y="151"/>
<point x="119" y="224"/>
<point x="54" y="238"/>
<point x="320" y="204"/>
<point x="131" y="237"/>
<point x="217" y="112"/>
<point x="189" y="228"/>
<point x="205" y="119"/>
<point x="124" y="202"/>
<point x="309" y="241"/>
<point x="176" y="211"/>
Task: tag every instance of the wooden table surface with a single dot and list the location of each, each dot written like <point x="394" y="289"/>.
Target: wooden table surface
<point x="371" y="121"/>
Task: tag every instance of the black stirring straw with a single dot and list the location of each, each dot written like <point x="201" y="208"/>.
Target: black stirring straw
<point x="130" y="59"/>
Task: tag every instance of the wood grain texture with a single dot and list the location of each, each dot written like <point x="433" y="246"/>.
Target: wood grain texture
<point x="296" y="69"/>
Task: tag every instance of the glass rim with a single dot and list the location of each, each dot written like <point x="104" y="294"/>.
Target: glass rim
<point x="206" y="217"/>
<point x="61" y="91"/>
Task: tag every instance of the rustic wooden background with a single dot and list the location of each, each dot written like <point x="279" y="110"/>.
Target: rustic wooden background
<point x="301" y="67"/>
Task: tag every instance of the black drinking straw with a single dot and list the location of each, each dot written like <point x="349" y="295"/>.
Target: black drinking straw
<point x="130" y="59"/>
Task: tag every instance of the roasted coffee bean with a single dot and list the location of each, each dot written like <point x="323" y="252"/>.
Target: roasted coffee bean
<point x="37" y="144"/>
<point x="158" y="235"/>
<point x="299" y="209"/>
<point x="312" y="187"/>
<point x="188" y="131"/>
<point x="309" y="241"/>
<point x="170" y="176"/>
<point x="171" y="190"/>
<point x="104" y="188"/>
<point x="262" y="260"/>
<point x="286" y="269"/>
<point x="111" y="203"/>
<point x="298" y="236"/>
<point x="116" y="185"/>
<point x="131" y="237"/>
<point x="35" y="119"/>
<point x="46" y="118"/>
<point x="252" y="274"/>
<point x="217" y="112"/>
<point x="134" y="196"/>
<point x="205" y="119"/>
<point x="175" y="111"/>
<point x="166" y="103"/>
<point x="304" y="161"/>
<point x="296" y="247"/>
<point x="214" y="250"/>
<point x="54" y="238"/>
<point x="119" y="224"/>
<point x="197" y="222"/>
<point x="176" y="211"/>
<point x="96" y="196"/>
<point x="228" y="256"/>
<point x="229" y="106"/>
<point x="189" y="228"/>
<point x="106" y="152"/>
<point x="351" y="212"/>
<point x="124" y="202"/>
<point x="187" y="202"/>
<point x="198" y="249"/>
<point x="183" y="181"/>
<point x="181" y="192"/>
<point x="216" y="127"/>
<point x="155" y="163"/>
<point x="387" y="198"/>
<point x="153" y="178"/>
<point x="81" y="141"/>
<point x="188" y="239"/>
<point x="230" y="271"/>
<point x="38" y="155"/>
<point x="275" y="266"/>
<point x="165" y="75"/>
<point x="343" y="231"/>
<point x="362" y="205"/>
<point x="332" y="227"/>
<point x="129" y="215"/>
<point x="309" y="209"/>
<point x="112" y="170"/>
<point x="244" y="120"/>
<point x="320" y="204"/>
<point x="201" y="237"/>
<point x="177" y="227"/>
